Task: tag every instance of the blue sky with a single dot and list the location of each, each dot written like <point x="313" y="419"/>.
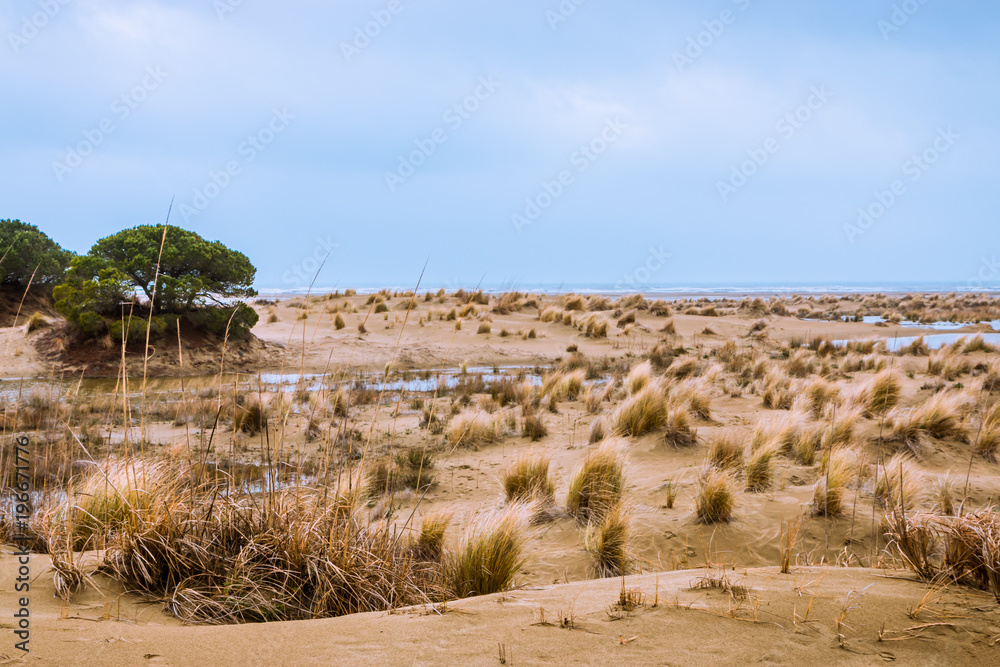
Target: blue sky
<point x="527" y="142"/>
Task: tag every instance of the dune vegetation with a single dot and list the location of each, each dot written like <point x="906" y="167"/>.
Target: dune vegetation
<point x="324" y="486"/>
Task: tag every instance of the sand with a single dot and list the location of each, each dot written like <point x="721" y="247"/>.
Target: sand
<point x="782" y="620"/>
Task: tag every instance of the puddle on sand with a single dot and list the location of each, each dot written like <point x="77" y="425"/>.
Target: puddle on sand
<point x="910" y="324"/>
<point x="933" y="341"/>
<point x="409" y="380"/>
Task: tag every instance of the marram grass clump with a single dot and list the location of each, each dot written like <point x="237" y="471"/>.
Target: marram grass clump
<point x="297" y="553"/>
<point x="607" y="542"/>
<point x="677" y="430"/>
<point x="716" y="498"/>
<point x="760" y="470"/>
<point x="598" y="485"/>
<point x="491" y="553"/>
<point x="643" y="412"/>
<point x="828" y="492"/>
<point x="726" y="451"/>
<point x="478" y="427"/>
<point x="528" y="479"/>
<point x="429" y="545"/>
<point x="117" y="496"/>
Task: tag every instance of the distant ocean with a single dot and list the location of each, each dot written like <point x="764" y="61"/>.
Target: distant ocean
<point x="675" y="291"/>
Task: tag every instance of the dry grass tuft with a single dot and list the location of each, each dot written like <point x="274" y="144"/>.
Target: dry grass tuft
<point x="639" y="377"/>
<point x="116" y="497"/>
<point x="565" y="386"/>
<point x="533" y="426"/>
<point x="828" y="492"/>
<point x="948" y="365"/>
<point x="291" y="554"/>
<point x="640" y="413"/>
<point x="598" y="429"/>
<point x="900" y="483"/>
<point x="251" y="417"/>
<point x="476" y="427"/>
<point x="726" y="451"/>
<point x="67" y="576"/>
<point x="411" y="469"/>
<point x="800" y="364"/>
<point x="593" y="398"/>
<point x="964" y="549"/>
<point x="991" y="380"/>
<point x="716" y="498"/>
<point x="987" y="443"/>
<point x="598" y="485"/>
<point x="760" y="470"/>
<point x="528" y="479"/>
<point x="977" y="344"/>
<point x="677" y="430"/>
<point x="430" y="541"/>
<point x="37" y="321"/>
<point x="818" y="395"/>
<point x="492" y="552"/>
<point x="918" y="348"/>
<point x="879" y="395"/>
<point x="683" y="369"/>
<point x="904" y="430"/>
<point x="808" y="440"/>
<point x="775" y="391"/>
<point x="843" y="423"/>
<point x="992" y="419"/>
<point x="941" y="416"/>
<point x="607" y="542"/>
<point x="944" y="494"/>
<point x="697" y="394"/>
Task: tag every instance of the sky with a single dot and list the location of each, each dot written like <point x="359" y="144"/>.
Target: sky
<point x="516" y="143"/>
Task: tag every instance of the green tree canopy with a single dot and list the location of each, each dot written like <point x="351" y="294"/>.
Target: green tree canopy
<point x="24" y="247"/>
<point x="192" y="271"/>
<point x="92" y="290"/>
